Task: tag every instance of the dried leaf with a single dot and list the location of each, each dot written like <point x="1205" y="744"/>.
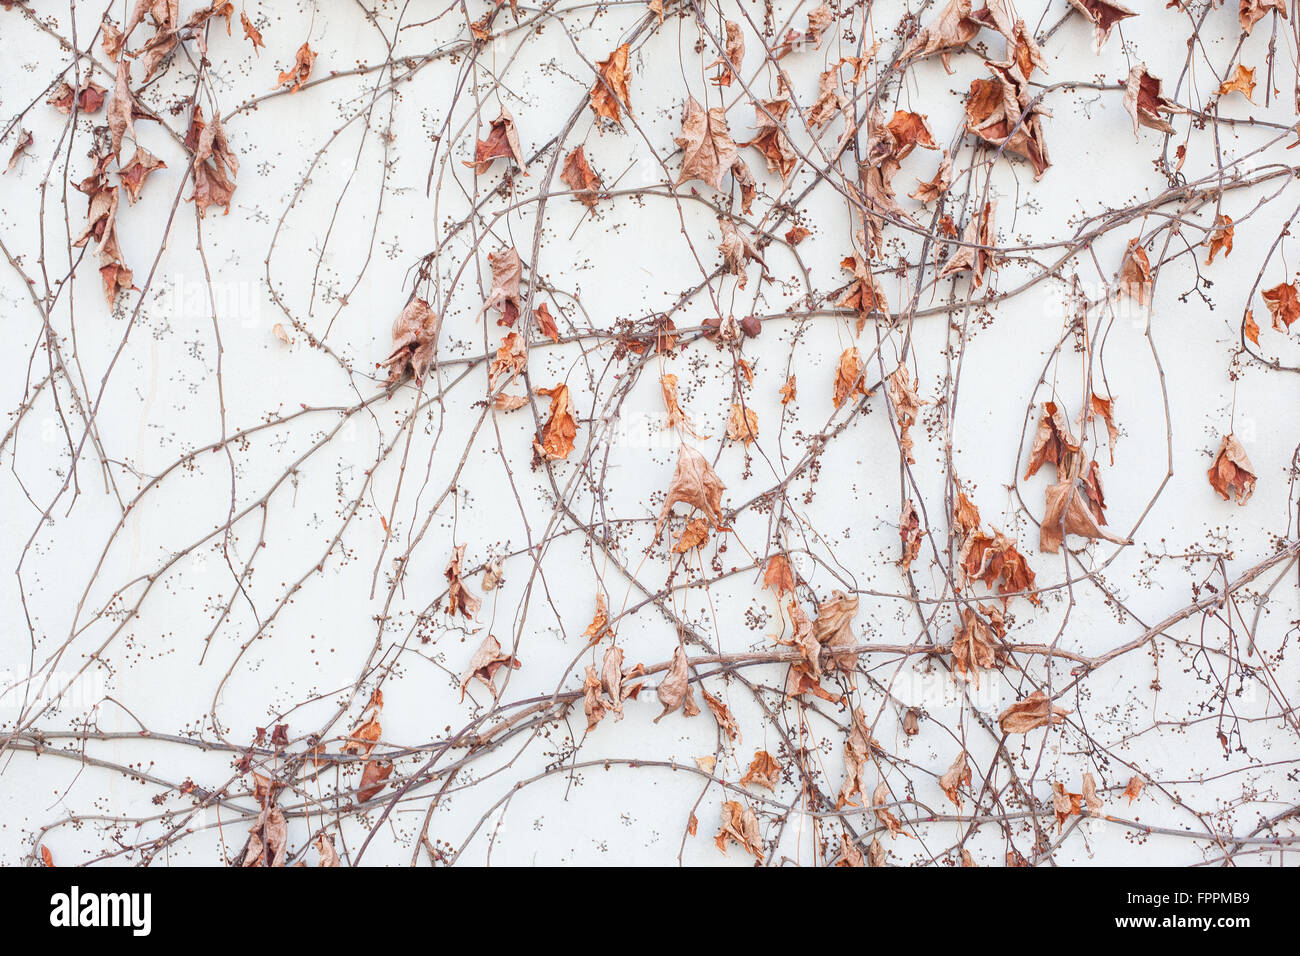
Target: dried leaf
<point x="1004" y="113"/>
<point x="1249" y="327"/>
<point x="694" y="483"/>
<point x="1232" y="473"/>
<point x="560" y="429"/>
<point x="1068" y="511"/>
<point x="134" y="173"/>
<point x="1221" y="237"/>
<point x="833" y="628"/>
<point x="610" y="88"/>
<point x="777" y="576"/>
<point x="1064" y="804"/>
<point x="1144" y="103"/>
<point x="674" y="690"/>
<point x="24" y="140"/>
<point x="1053" y="442"/>
<point x="485" y="663"/>
<point x="788" y="391"/>
<point x="726" y="723"/>
<point x="849" y="377"/>
<point x="373" y="777"/>
<point x="907" y="405"/>
<point x="949" y="32"/>
<point x="505" y="296"/>
<point x="122" y="108"/>
<point x="739" y="823"/>
<point x="1135" y="784"/>
<point x="737" y="250"/>
<point x="415" y="332"/>
<point x="502" y="143"/>
<point x="734" y="48"/>
<point x="1283" y="305"/>
<point x="581" y="178"/>
<point x="928" y="192"/>
<point x="325" y="847"/>
<point x="1243" y="82"/>
<point x="879" y="806"/>
<point x="694" y="535"/>
<point x="1102" y="14"/>
<point x="976" y="641"/>
<point x="459" y="598"/>
<point x="1251" y="12"/>
<point x="707" y="147"/>
<point x="1030" y="713"/>
<point x="1090" y="798"/>
<point x="976" y="253"/>
<point x="954" y="778"/>
<point x="1135" y="273"/>
<point x="764" y="770"/>
<point x="742" y="424"/>
<point x="251" y="33"/>
<point x="296" y="75"/>
<point x="864" y="295"/>
<point x="599" y="625"/>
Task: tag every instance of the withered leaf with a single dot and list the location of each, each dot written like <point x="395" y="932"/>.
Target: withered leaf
<point x="764" y="770"/>
<point x="864" y="295"/>
<point x="1232" y="473"/>
<point x="777" y="575"/>
<point x="954" y="778"/>
<point x="20" y="146"/>
<point x="907" y="405"/>
<point x="976" y="254"/>
<point x="833" y="627"/>
<point x="1144" y="103"/>
<point x="1221" y="237"/>
<point x="739" y="823"/>
<point x="797" y="234"/>
<point x="1242" y="81"/>
<point x="1104" y="408"/>
<point x="928" y="192"/>
<point x="694" y="535"/>
<point x="374" y="776"/>
<point x="742" y="424"/>
<point x="880" y="807"/>
<point x="1283" y="305"/>
<point x="89" y="99"/>
<point x="297" y="75"/>
<point x="599" y="625"/>
<point x="485" y="663"/>
<point x="459" y="598"/>
<point x="788" y="391"/>
<point x="1103" y="15"/>
<point x="987" y="558"/>
<point x="363" y="737"/>
<point x="876" y="853"/>
<point x="502" y="143"/>
<point x="829" y="100"/>
<point x="1068" y="511"/>
<point x="581" y="178"/>
<point x="694" y="483"/>
<point x="909" y="530"/>
<point x="737" y="250"/>
<point x="1064" y="804"/>
<point x="510" y="360"/>
<point x="610" y="88"/>
<point x="857" y="760"/>
<point x="708" y="150"/>
<point x="909" y="131"/>
<point x="674" y="689"/>
<point x="325" y="847"/>
<point x="1090" y="798"/>
<point x="947" y="33"/>
<point x="722" y="714"/>
<point x="676" y="416"/>
<point x="849" y="377"/>
<point x="1251" y="12"/>
<point x="415" y="331"/>
<point x="560" y="429"/>
<point x="975" y="642"/>
<point x="850" y="855"/>
<point x="215" y="163"/>
<point x="1249" y="327"/>
<point x="1135" y="273"/>
<point x="251" y="33"/>
<point x="734" y="48"/>
<point x="1002" y="112"/>
<point x="1030" y="713"/>
<point x="1135" y="784"/>
<point x="1053" y="442"/>
<point x="135" y="172"/>
<point x="504" y="296"/>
